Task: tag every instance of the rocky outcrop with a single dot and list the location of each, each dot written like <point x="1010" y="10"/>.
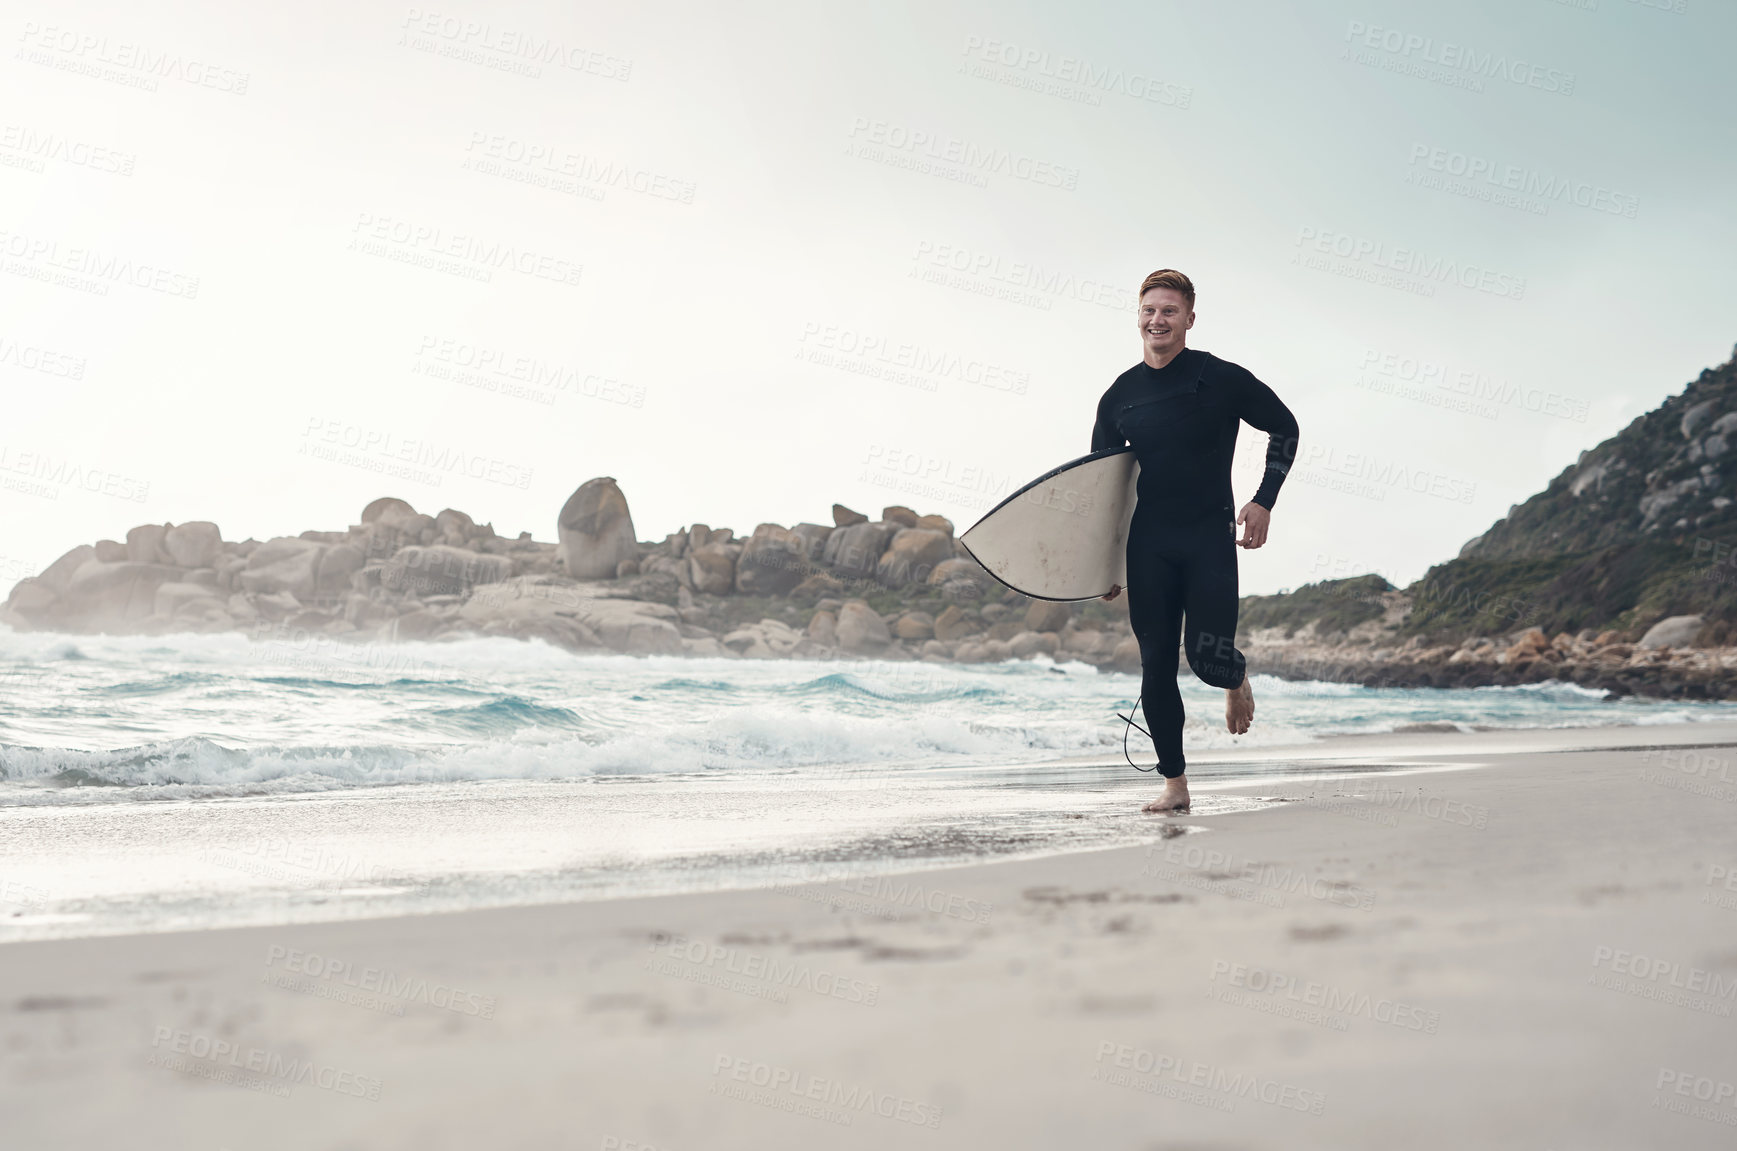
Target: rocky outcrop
<point x="773" y="561"/>
<point x="861" y="629"/>
<point x="912" y="556"/>
<point x="596" y="530"/>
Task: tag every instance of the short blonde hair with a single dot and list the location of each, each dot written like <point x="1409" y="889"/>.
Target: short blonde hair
<point x="1169" y="278"/>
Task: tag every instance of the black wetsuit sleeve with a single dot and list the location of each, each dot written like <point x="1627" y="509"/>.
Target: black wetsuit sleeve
<point x="1104" y="433"/>
<point x="1259" y="407"/>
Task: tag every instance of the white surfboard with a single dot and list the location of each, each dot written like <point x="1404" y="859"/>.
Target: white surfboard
<point x="1063" y="536"/>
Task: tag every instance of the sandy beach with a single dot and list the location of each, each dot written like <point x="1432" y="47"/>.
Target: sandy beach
<point x="1531" y="943"/>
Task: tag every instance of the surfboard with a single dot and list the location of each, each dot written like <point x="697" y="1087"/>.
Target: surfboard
<point x="1063" y="536"/>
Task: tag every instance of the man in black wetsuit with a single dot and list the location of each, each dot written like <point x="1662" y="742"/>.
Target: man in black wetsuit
<point x="1179" y="408"/>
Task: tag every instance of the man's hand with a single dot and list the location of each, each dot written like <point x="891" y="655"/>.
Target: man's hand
<point x="1115" y="590"/>
<point x="1256" y="519"/>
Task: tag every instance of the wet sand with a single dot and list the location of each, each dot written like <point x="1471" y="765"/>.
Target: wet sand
<point x="1534" y="948"/>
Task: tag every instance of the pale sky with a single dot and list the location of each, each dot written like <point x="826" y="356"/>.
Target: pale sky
<point x="263" y="264"/>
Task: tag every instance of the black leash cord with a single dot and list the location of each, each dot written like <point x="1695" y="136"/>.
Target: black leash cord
<point x="1131" y="724"/>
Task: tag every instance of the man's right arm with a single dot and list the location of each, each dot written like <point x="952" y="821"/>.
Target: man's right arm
<point x="1104" y="433"/>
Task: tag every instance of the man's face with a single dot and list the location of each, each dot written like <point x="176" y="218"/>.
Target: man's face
<point x="1165" y="318"/>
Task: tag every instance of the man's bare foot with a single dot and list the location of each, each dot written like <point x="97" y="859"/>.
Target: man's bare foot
<point x="1239" y="708"/>
<point x="1175" y="797"/>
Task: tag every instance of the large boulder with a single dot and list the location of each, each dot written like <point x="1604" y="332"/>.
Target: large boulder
<point x="33" y="599"/>
<point x="915" y="625"/>
<point x="337" y="564"/>
<point x="186" y="599"/>
<point x="111" y="551"/>
<point x="193" y="545"/>
<point x="823" y="628"/>
<point x="101" y="594"/>
<point x="573" y="615"/>
<point x="145" y="544"/>
<point x="856" y="550"/>
<point x="1697" y="418"/>
<point x="1673" y="631"/>
<point x="596" y="530"/>
<point x="1046" y="615"/>
<point x="440" y="569"/>
<point x="387" y="508"/>
<point x="898" y="514"/>
<point x="773" y="561"/>
<point x="953" y="624"/>
<point x="813" y="537"/>
<point x="913" y="554"/>
<point x="843" y="517"/>
<point x="284" y="564"/>
<point x="960" y="568"/>
<point x="58" y="575"/>
<point x="1029" y="643"/>
<point x="935" y="524"/>
<point x="712" y="568"/>
<point x="860" y="628"/>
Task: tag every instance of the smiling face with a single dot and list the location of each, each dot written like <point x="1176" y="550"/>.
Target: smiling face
<point x="1164" y="319"/>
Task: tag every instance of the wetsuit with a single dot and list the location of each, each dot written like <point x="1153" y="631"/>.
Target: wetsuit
<point x="1182" y="422"/>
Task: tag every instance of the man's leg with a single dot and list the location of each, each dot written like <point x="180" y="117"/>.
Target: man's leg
<point x="1209" y="637"/>
<point x="1155" y="612"/>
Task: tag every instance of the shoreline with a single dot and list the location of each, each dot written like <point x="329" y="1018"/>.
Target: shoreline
<point x="1297" y="981"/>
<point x="291" y="871"/>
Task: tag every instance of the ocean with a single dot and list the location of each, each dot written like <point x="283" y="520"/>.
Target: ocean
<point x="159" y="783"/>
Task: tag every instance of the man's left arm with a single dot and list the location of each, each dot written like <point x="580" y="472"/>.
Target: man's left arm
<point x="1259" y="407"/>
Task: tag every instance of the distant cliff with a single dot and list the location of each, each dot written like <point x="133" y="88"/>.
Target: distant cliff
<point x="1621" y="573"/>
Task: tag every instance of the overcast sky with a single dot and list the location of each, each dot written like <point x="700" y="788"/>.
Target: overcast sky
<point x="266" y="263"/>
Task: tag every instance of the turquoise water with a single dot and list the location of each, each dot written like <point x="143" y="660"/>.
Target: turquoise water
<point x="92" y="719"/>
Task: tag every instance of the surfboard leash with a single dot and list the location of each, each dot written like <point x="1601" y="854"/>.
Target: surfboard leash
<point x="1131" y="724"/>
